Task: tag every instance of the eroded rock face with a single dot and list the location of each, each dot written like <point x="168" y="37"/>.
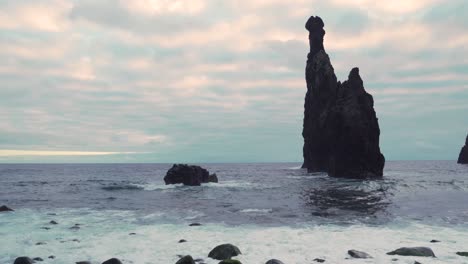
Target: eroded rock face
<point x="188" y="175"/>
<point x="341" y="132"/>
<point x="463" y="157"/>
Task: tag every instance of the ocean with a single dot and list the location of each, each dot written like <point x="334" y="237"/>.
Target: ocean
<point x="268" y="210"/>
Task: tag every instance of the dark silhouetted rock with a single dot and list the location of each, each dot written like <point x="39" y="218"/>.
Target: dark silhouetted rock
<point x="53" y="222"/>
<point x="463" y="157"/>
<point x="434" y="241"/>
<point x="23" y="260"/>
<point x="182" y="241"/>
<point x="38" y="259"/>
<point x="358" y="254"/>
<point x="213" y="178"/>
<point x="341" y="132"/>
<point x="5" y="208"/>
<point x="274" y="261"/>
<point x="188" y="175"/>
<point x="186" y="260"/>
<point x="112" y="261"/>
<point x="319" y="260"/>
<point x="417" y="262"/>
<point x="230" y="261"/>
<point x="224" y="251"/>
<point x="40" y="243"/>
<point x="462" y="253"/>
<point x="195" y="224"/>
<point x="413" y="251"/>
<point x="51" y="257"/>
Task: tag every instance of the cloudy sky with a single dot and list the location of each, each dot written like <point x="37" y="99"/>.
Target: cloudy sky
<point x="220" y="80"/>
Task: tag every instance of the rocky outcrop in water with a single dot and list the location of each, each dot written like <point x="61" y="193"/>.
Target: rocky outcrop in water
<point x="230" y="261"/>
<point x="112" y="261"/>
<point x="358" y="254"/>
<point x="463" y="157"/>
<point x="341" y="132"/>
<point x="188" y="175"/>
<point x="274" y="261"/>
<point x="23" y="260"/>
<point x="413" y="251"/>
<point x="186" y="260"/>
<point x="224" y="251"/>
<point x="5" y="208"/>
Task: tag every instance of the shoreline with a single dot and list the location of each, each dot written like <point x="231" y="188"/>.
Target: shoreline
<point x="103" y="235"/>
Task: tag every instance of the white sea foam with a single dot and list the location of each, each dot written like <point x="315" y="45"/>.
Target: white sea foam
<point x="254" y="210"/>
<point x="105" y="234"/>
<point x="158" y="186"/>
<point x="295" y="168"/>
<point x="222" y="184"/>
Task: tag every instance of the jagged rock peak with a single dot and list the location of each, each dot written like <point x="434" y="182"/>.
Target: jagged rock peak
<point x="341" y="131"/>
<point x="463" y="157"/>
<point x="316" y="32"/>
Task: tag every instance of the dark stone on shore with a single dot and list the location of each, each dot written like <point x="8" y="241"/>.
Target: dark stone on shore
<point x="413" y="251"/>
<point x="75" y="227"/>
<point x="463" y="157"/>
<point x="230" y="261"/>
<point x="186" y="260"/>
<point x="274" y="261"/>
<point x="112" y="261"/>
<point x="40" y="243"/>
<point x="38" y="259"/>
<point x="53" y="222"/>
<point x="188" y="175"/>
<point x="182" y="241"/>
<point x="462" y="253"/>
<point x="132" y="234"/>
<point x="195" y="224"/>
<point x="23" y="260"/>
<point x="341" y="131"/>
<point x="417" y="262"/>
<point x="5" y="208"/>
<point x="224" y="251"/>
<point x="51" y="256"/>
<point x="319" y="260"/>
<point x="434" y="241"/>
<point x="358" y="254"/>
<point x="83" y="262"/>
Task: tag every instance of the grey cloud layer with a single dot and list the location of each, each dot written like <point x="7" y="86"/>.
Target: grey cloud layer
<point x="222" y="81"/>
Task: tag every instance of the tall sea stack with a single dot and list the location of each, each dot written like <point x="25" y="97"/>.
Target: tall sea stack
<point x="463" y="157"/>
<point x="341" y="131"/>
